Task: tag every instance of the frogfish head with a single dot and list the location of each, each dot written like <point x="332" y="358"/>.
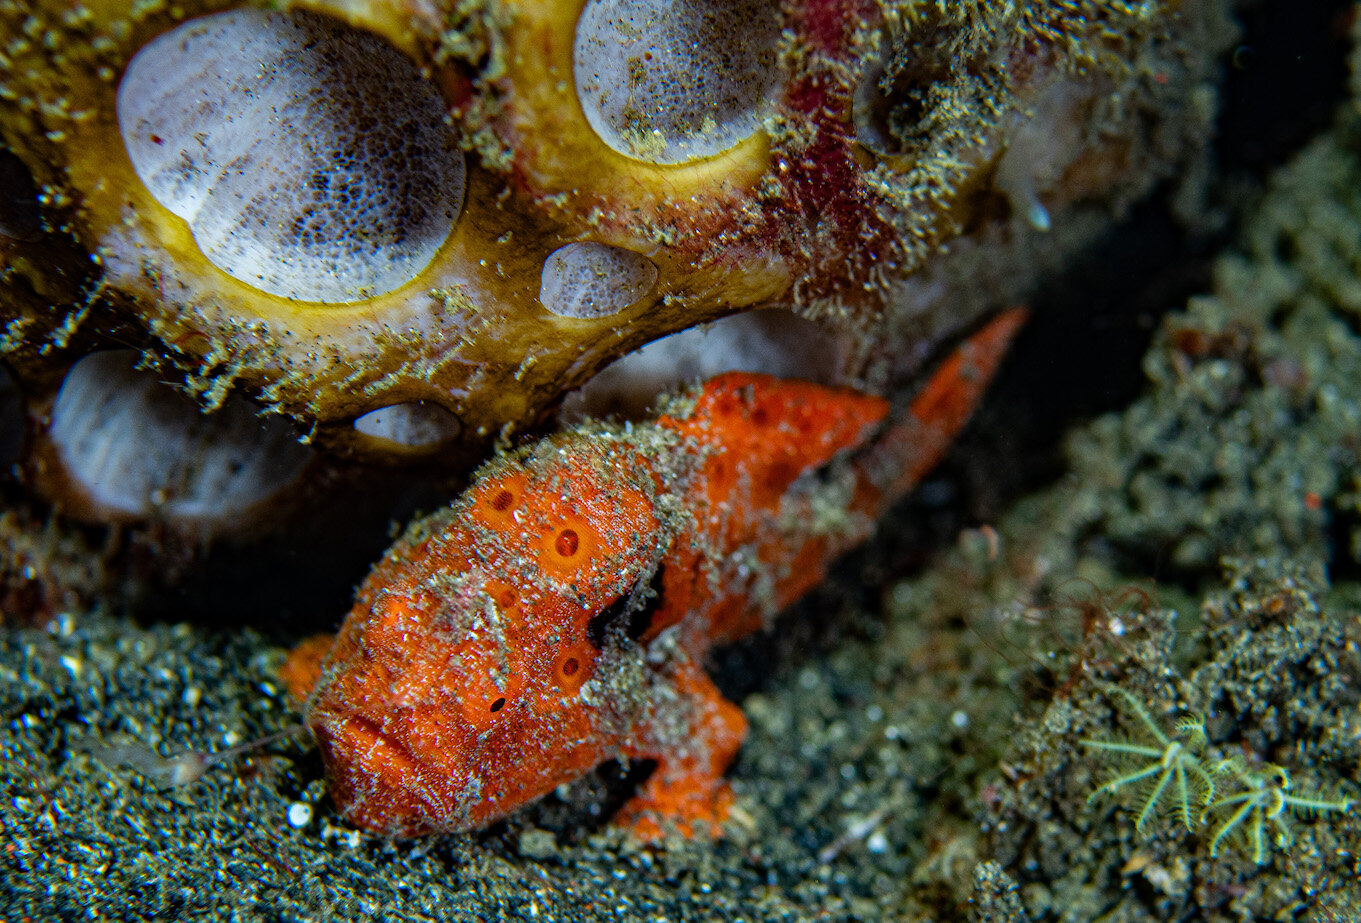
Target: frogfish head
<point x="484" y="662"/>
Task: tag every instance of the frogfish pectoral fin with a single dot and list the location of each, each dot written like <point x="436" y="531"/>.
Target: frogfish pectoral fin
<point x="694" y="734"/>
<point x="301" y="670"/>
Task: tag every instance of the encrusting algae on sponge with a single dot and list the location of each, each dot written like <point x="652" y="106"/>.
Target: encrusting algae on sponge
<point x="558" y="615"/>
<point x="500" y="199"/>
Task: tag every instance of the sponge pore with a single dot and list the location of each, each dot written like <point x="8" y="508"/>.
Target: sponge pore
<point x="412" y="425"/>
<point x="594" y="280"/>
<point x="309" y="159"/>
<point x="668" y="81"/>
<point x="137" y="446"/>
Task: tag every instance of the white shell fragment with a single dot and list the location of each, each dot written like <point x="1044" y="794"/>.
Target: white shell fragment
<point x="137" y="446"/>
<point x="594" y="280"/>
<point x="667" y="81"/>
<point x="309" y="160"/>
<point x="416" y="425"/>
<point x="299" y="814"/>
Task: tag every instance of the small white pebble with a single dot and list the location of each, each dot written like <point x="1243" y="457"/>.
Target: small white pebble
<point x="874" y="713"/>
<point x="877" y="843"/>
<point x="72" y="666"/>
<point x="960" y="719"/>
<point x="192" y="696"/>
<point x="299" y="814"/>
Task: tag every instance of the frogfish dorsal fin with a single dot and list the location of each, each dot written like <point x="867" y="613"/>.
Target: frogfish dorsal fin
<point x="766" y="431"/>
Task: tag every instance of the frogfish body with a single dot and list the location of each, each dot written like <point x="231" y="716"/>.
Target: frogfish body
<point x="558" y="614"/>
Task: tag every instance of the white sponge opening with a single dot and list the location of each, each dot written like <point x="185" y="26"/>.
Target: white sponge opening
<point x="416" y="425"/>
<point x="140" y="447"/>
<point x="667" y="81"/>
<point x="309" y="160"/>
<point x="594" y="280"/>
<point x="773" y="341"/>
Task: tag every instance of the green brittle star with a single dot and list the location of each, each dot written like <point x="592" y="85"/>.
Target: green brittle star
<point x="1175" y="762"/>
<point x="1179" y="769"/>
<point x="1264" y="798"/>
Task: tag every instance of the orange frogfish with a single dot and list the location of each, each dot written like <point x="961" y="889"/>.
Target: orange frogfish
<point x="558" y="614"/>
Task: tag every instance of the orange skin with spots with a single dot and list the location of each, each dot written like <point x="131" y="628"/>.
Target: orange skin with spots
<point x="559" y="613"/>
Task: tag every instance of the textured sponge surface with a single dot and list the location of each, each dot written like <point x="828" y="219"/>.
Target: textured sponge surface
<point x="309" y="160"/>
<point x="139" y="447"/>
<point x="594" y="280"/>
<point x="669" y="81"/>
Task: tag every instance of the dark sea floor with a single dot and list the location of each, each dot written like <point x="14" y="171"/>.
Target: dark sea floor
<point x="926" y="732"/>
